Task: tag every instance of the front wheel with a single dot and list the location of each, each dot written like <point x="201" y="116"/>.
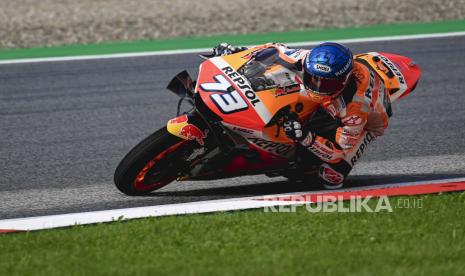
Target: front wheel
<point x="152" y="164"/>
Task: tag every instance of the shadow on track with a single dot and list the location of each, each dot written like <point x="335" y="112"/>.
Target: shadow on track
<point x="279" y="187"/>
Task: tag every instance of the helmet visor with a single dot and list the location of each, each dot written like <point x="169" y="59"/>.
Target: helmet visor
<point x="324" y="86"/>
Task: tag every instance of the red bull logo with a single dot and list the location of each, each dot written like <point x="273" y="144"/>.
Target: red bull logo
<point x="191" y="132"/>
<point x="178" y="120"/>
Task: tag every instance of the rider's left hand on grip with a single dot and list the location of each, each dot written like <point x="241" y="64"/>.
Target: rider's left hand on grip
<point x="293" y="130"/>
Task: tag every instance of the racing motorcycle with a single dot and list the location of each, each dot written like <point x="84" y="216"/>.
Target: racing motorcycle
<point x="234" y="126"/>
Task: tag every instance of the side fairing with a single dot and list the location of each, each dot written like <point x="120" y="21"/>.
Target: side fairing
<point x="229" y="95"/>
<point x="400" y="74"/>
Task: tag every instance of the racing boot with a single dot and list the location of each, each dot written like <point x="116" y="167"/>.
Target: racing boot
<point x="332" y="176"/>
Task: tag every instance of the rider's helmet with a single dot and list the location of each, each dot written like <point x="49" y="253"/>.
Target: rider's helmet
<point x="327" y="69"/>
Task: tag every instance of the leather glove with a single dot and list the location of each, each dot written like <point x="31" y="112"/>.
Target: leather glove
<point x="294" y="131"/>
<point x="224" y="49"/>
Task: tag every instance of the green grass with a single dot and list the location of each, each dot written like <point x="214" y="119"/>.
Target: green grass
<point x="428" y="240"/>
<point x="248" y="39"/>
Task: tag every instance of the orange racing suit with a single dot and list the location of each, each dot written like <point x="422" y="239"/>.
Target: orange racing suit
<point x="363" y="109"/>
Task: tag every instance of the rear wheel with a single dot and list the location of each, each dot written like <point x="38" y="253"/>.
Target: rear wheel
<point x="152" y="164"/>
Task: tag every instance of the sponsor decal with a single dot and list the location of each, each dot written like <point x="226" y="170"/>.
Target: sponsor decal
<point x="272" y="147"/>
<point x="323" y="156"/>
<point x="361" y="149"/>
<point x="369" y="91"/>
<point x="322" y="68"/>
<point x="321" y="151"/>
<point x="241" y="82"/>
<point x="330" y="175"/>
<point x="178" y="120"/>
<point x="294" y="53"/>
<point x="192" y="132"/>
<point x="344" y="69"/>
<point x="393" y="69"/>
<point x="282" y="91"/>
<point x="244" y="130"/>
<point x="353" y="120"/>
<point x="243" y="88"/>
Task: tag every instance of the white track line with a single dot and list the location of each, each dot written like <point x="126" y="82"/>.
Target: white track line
<point x="55" y="221"/>
<point x="200" y="50"/>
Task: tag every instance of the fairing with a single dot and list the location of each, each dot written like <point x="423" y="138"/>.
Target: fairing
<point x="250" y="114"/>
<point x="230" y="96"/>
<point x="399" y="73"/>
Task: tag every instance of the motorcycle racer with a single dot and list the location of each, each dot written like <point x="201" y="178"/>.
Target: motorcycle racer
<point x="346" y="89"/>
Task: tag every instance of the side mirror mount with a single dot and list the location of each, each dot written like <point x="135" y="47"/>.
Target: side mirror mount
<point x="182" y="85"/>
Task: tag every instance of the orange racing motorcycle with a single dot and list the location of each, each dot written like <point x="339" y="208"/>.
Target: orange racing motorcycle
<point x="234" y="130"/>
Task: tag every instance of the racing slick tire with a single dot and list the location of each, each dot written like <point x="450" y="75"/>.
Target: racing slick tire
<point x="150" y="165"/>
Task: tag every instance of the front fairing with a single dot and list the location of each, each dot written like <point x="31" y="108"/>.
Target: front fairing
<point x="230" y="96"/>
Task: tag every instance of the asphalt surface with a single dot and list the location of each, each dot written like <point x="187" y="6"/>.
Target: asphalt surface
<point x="64" y="126"/>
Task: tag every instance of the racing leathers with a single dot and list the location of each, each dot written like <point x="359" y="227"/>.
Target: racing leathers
<point x="362" y="108"/>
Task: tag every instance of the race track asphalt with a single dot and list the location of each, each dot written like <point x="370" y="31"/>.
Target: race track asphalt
<point x="64" y="126"/>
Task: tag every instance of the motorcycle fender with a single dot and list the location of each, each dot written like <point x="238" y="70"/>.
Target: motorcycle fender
<point x="182" y="128"/>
